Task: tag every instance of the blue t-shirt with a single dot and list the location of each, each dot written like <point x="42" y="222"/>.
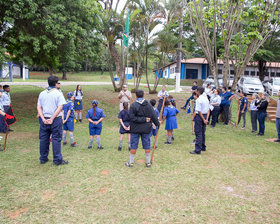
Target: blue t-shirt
<point x="124" y="115"/>
<point x="242" y="103"/>
<point x="225" y="98"/>
<point x="95" y="116"/>
<point x="68" y="106"/>
<point x="170" y="111"/>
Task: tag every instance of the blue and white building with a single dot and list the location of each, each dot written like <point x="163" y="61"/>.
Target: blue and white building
<point x="198" y="68"/>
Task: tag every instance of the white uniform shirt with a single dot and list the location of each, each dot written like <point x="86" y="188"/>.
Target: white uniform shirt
<point x="216" y="99"/>
<point x="79" y="95"/>
<point x="161" y="94"/>
<point x="50" y="100"/>
<point x="202" y="104"/>
<point x="6" y="99"/>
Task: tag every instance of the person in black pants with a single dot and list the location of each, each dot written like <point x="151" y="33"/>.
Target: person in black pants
<point x="200" y="121"/>
<point x="194" y="88"/>
<point x="225" y="103"/>
<point x="254" y="112"/>
<point x="262" y="106"/>
<point x="49" y="107"/>
<point x="215" y="102"/>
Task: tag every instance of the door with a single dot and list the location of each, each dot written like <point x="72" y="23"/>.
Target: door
<point x="191" y="73"/>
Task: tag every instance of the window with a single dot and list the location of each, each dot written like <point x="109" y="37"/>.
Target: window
<point x="258" y="74"/>
<point x="246" y="73"/>
<point x="232" y="72"/>
<point x="253" y="73"/>
<point x="278" y="74"/>
<point x="220" y="71"/>
<point x="272" y="74"/>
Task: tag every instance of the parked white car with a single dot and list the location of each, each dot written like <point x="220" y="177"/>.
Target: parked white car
<point x="272" y="86"/>
<point x="250" y="85"/>
<point x="210" y="80"/>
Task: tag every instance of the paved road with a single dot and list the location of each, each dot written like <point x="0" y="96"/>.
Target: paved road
<point x="66" y="83"/>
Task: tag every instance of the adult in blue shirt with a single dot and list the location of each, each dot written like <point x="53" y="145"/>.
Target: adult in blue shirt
<point x="225" y="103"/>
<point x="243" y="108"/>
<point x="6" y="103"/>
<point x="49" y="106"/>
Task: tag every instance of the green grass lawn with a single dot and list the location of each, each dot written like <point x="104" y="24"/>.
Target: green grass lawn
<point x="235" y="181"/>
<point x="97" y="77"/>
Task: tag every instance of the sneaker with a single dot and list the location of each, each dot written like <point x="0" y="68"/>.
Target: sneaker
<point x="183" y="108"/>
<point x="149" y="165"/>
<point x="167" y="143"/>
<point x="100" y="148"/>
<point x="242" y="128"/>
<point x="278" y="140"/>
<point x="63" y="162"/>
<point x="43" y="162"/>
<point x="173" y="138"/>
<point x="129" y="164"/>
<point x="64" y="143"/>
<point x="253" y="131"/>
<point x="119" y="148"/>
<point x="74" y="144"/>
<point x="80" y="120"/>
<point x="89" y="147"/>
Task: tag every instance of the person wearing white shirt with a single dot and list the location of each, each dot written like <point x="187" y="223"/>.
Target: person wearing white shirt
<point x="124" y="96"/>
<point x="201" y="120"/>
<point x="215" y="102"/>
<point x="161" y="95"/>
<point x="49" y="107"/>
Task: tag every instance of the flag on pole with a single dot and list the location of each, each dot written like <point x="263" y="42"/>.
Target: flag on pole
<point x="10" y="117"/>
<point x="126" y="32"/>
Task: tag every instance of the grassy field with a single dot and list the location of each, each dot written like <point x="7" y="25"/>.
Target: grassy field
<point x="236" y="180"/>
<point x="97" y="77"/>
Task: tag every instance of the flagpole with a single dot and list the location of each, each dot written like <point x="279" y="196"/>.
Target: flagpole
<point x="126" y="65"/>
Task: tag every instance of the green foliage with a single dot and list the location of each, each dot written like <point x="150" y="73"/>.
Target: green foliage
<point x="50" y="33"/>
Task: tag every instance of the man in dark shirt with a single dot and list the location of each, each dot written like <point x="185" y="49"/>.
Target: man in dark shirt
<point x="243" y="108"/>
<point x="194" y="88"/>
<point x="142" y="115"/>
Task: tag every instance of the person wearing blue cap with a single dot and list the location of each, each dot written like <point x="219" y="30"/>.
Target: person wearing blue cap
<point x="49" y="106"/>
<point x="68" y="119"/>
<point x="95" y="117"/>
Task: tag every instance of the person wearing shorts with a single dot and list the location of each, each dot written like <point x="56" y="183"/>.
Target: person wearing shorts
<point x="142" y="115"/>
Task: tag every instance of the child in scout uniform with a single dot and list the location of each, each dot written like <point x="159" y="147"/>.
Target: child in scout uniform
<point x="6" y="102"/>
<point x="155" y="128"/>
<point x="243" y="108"/>
<point x="169" y="114"/>
<point x="68" y="119"/>
<point x="124" y="125"/>
<point x="95" y="116"/>
<point x="78" y="103"/>
<point x="173" y="103"/>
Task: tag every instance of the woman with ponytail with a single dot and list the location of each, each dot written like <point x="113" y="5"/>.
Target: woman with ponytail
<point x="95" y="116"/>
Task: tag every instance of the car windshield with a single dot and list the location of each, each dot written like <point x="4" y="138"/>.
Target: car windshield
<point x="252" y="82"/>
<point x="277" y="82"/>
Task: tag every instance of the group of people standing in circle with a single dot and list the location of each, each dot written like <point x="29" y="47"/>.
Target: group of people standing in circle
<point x="139" y="120"/>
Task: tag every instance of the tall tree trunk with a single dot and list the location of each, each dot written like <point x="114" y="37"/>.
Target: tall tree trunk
<point x="179" y="53"/>
<point x="262" y="69"/>
<point x="64" y="75"/>
<point x="118" y="62"/>
<point x="50" y="71"/>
